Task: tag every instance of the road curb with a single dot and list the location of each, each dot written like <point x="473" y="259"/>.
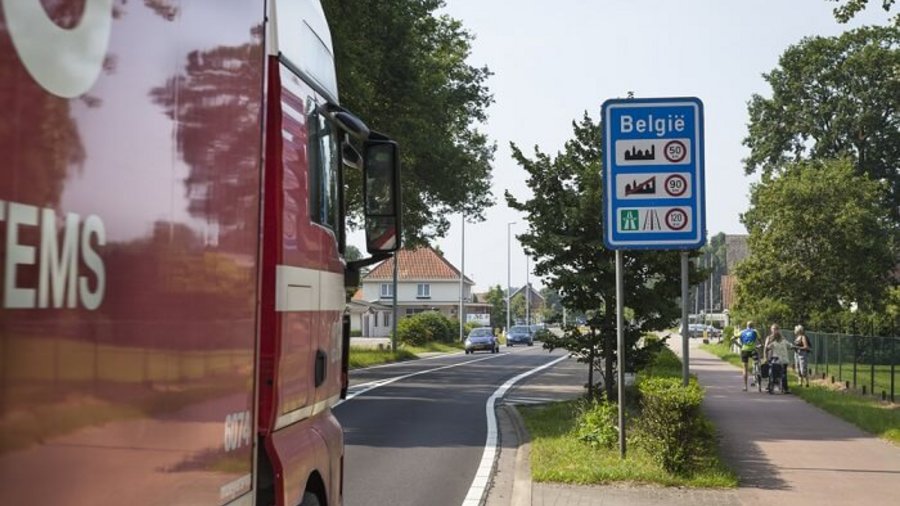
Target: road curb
<point x="521" y="493"/>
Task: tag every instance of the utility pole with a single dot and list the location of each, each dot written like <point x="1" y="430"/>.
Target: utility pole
<point x="527" y="291"/>
<point x="462" y="285"/>
<point x="396" y="312"/>
<point x="508" y="280"/>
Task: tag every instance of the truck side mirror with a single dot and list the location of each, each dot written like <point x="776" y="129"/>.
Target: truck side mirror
<point x="381" y="194"/>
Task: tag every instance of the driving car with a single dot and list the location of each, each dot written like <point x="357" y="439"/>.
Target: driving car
<point x="519" y="334"/>
<point x="482" y="338"/>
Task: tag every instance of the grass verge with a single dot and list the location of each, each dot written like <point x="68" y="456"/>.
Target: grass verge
<point x="869" y="414"/>
<point x="558" y="455"/>
<point x="367" y="357"/>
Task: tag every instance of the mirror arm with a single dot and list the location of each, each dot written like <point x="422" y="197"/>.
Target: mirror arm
<point x="358" y="264"/>
<point x="351" y="271"/>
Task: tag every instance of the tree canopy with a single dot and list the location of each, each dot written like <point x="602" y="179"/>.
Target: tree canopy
<point x="850" y="8"/>
<point x="832" y="97"/>
<point x="817" y="239"/>
<point x="402" y="68"/>
<point x="565" y="238"/>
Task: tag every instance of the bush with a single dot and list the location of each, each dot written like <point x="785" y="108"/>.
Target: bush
<point x="418" y="329"/>
<point x="596" y="423"/>
<point x="413" y="331"/>
<point x="672" y="427"/>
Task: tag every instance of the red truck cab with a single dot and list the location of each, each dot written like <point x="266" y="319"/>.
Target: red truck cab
<point x="172" y="231"/>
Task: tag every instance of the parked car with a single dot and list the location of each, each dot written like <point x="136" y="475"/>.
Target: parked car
<point x="519" y="334"/>
<point x="697" y="329"/>
<point x="482" y="338"/>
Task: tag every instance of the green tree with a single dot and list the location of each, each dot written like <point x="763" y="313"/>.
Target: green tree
<point x="850" y="8"/>
<point x="552" y="304"/>
<point x="832" y="97"/>
<point x="565" y="238"/>
<point x="818" y="240"/>
<point x="403" y="69"/>
<point x="496" y="297"/>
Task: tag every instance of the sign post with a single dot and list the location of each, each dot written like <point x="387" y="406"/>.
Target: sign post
<point x="654" y="192"/>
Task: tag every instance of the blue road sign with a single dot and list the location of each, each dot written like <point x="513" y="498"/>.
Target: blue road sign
<point x="653" y="174"/>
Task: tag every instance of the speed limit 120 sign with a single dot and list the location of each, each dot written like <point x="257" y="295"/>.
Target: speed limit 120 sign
<point x="653" y="174"/>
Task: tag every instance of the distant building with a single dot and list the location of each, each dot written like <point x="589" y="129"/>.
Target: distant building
<point x="532" y="295"/>
<point x="736" y="250"/>
<point x="426" y="282"/>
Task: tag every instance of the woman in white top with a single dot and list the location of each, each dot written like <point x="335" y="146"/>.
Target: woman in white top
<point x="777" y="346"/>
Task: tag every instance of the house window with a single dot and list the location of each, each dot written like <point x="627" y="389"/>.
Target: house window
<point x="423" y="291"/>
<point x="387" y="290"/>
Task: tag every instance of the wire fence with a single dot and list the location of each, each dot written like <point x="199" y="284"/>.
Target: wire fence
<point x="865" y="364"/>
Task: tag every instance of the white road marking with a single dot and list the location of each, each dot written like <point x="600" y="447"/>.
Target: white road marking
<point x="357" y="390"/>
<point x="483" y="474"/>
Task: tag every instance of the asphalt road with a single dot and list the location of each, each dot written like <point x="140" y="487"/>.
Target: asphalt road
<point x="418" y="440"/>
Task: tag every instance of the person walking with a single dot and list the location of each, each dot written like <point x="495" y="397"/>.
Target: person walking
<point x="749" y="340"/>
<point x="802" y="348"/>
<point x="777" y="347"/>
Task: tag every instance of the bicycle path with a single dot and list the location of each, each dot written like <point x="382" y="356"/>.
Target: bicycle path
<point x="786" y="451"/>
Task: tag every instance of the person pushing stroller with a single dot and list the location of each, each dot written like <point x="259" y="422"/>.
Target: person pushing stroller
<point x="778" y="355"/>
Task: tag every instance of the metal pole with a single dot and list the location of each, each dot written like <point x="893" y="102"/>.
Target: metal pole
<point x="620" y="347"/>
<point x="684" y="318"/>
<point x="508" y="281"/>
<point x="396" y="312"/>
<point x="462" y="289"/>
<point x="893" y="362"/>
<point x="527" y="291"/>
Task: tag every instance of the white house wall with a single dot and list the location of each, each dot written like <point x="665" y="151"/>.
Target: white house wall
<point x="442" y="292"/>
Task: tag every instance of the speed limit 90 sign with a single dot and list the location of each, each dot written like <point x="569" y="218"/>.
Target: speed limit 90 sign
<point x="653" y="174"/>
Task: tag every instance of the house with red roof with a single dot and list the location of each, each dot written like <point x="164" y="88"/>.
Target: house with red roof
<point x="426" y="282"/>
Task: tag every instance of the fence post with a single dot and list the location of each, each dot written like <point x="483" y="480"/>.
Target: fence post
<point x="872" y="366"/>
<point x="840" y="361"/>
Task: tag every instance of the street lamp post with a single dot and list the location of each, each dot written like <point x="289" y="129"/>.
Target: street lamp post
<point x="508" y="280"/>
<point x="527" y="291"/>
<point x="462" y="285"/>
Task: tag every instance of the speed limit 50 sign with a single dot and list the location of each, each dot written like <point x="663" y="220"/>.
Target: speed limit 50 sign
<point x="653" y="174"/>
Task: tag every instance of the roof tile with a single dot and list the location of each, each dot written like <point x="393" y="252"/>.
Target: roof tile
<point x="420" y="263"/>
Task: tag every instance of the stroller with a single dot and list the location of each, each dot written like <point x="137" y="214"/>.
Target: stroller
<point x="774" y="372"/>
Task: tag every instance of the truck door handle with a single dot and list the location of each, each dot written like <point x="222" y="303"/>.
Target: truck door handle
<point x="321" y="364"/>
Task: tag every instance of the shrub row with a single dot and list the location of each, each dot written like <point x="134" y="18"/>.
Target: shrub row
<point x="430" y="326"/>
<point x="672" y="427"/>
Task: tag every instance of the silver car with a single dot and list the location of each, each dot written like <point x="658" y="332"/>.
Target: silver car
<point x="482" y="338"/>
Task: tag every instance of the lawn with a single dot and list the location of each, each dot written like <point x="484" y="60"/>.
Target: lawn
<point x="558" y="455"/>
<point x="867" y="413"/>
<point x="367" y="357"/>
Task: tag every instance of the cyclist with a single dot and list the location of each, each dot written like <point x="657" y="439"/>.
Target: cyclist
<point x="749" y="340"/>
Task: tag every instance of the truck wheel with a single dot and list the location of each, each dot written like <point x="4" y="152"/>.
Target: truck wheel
<point x="310" y="499"/>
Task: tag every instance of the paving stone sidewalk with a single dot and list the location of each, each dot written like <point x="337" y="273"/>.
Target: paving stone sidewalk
<point x="784" y="450"/>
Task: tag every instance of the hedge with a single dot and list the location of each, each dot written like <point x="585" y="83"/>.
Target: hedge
<point x="672" y="427"/>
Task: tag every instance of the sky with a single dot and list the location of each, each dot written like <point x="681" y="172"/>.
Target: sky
<point x="552" y="61"/>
